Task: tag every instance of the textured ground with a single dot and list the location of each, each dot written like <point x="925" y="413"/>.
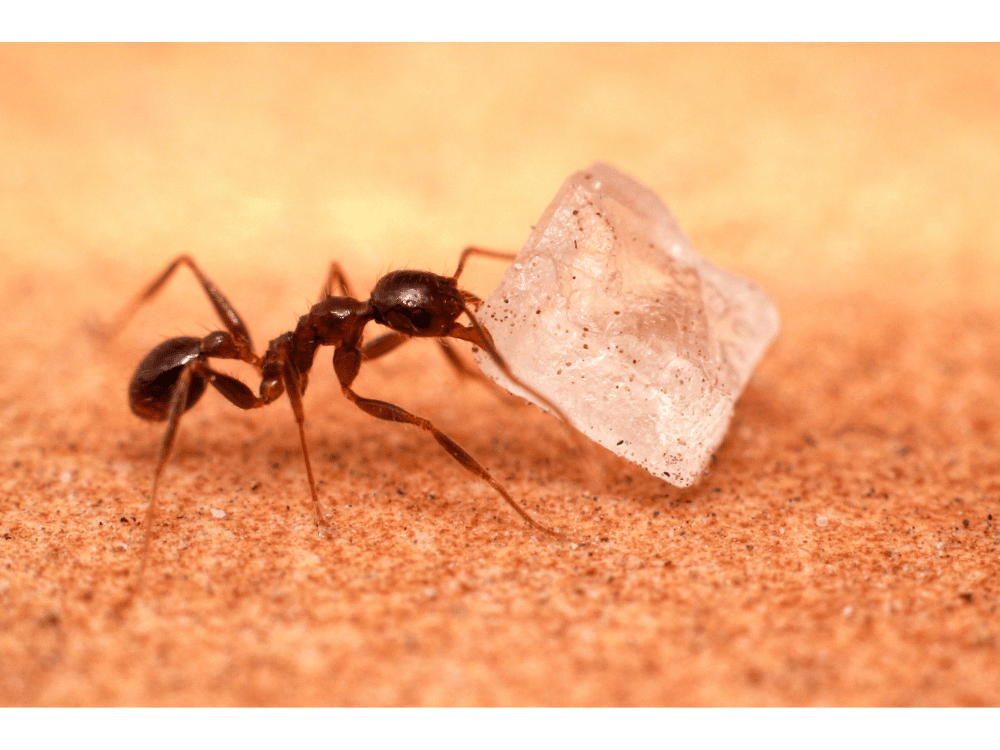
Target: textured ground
<point x="844" y="549"/>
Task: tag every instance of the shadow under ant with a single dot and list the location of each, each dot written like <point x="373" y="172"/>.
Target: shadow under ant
<point x="412" y="304"/>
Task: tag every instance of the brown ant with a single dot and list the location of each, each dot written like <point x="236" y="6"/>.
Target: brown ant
<point x="173" y="376"/>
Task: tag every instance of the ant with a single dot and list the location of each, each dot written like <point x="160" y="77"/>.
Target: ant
<point x="175" y="374"/>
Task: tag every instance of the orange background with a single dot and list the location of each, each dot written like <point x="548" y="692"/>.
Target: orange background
<point x="840" y="552"/>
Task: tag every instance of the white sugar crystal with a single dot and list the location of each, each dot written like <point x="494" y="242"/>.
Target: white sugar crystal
<point x="610" y="313"/>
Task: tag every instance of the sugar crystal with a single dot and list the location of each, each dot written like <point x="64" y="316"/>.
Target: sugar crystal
<point x="610" y="313"/>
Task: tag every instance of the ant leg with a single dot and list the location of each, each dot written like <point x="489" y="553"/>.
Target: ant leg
<point x="472" y="250"/>
<point x="293" y="387"/>
<point x="383" y="345"/>
<point x="235" y="391"/>
<point x="347" y="363"/>
<point x="479" y="336"/>
<point x="391" y="341"/>
<point x="393" y="413"/>
<point x="178" y="399"/>
<point x="223" y="307"/>
<point x="336" y="274"/>
<point x="458" y="363"/>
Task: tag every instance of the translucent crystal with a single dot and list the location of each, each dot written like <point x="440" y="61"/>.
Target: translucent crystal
<point x="610" y="313"/>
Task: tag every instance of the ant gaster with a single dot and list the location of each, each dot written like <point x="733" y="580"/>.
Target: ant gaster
<point x="173" y="376"/>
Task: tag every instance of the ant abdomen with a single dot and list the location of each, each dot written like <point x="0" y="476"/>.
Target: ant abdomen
<point x="152" y="385"/>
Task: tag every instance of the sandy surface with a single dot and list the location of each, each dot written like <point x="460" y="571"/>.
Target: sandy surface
<point x="843" y="550"/>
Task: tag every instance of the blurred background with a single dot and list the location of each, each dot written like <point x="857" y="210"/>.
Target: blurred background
<point x="792" y="163"/>
<point x="857" y="184"/>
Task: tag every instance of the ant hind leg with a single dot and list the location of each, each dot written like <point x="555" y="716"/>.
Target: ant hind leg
<point x="223" y="308"/>
<point x="178" y="401"/>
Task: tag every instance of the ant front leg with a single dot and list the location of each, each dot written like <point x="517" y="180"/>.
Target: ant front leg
<point x="480" y="337"/>
<point x="347" y="363"/>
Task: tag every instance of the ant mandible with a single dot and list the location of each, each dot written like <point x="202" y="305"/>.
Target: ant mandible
<point x="173" y="376"/>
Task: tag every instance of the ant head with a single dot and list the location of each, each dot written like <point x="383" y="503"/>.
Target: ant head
<point x="417" y="303"/>
<point x="152" y="385"/>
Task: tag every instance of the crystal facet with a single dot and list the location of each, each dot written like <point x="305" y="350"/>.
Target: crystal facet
<point x="610" y="313"/>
